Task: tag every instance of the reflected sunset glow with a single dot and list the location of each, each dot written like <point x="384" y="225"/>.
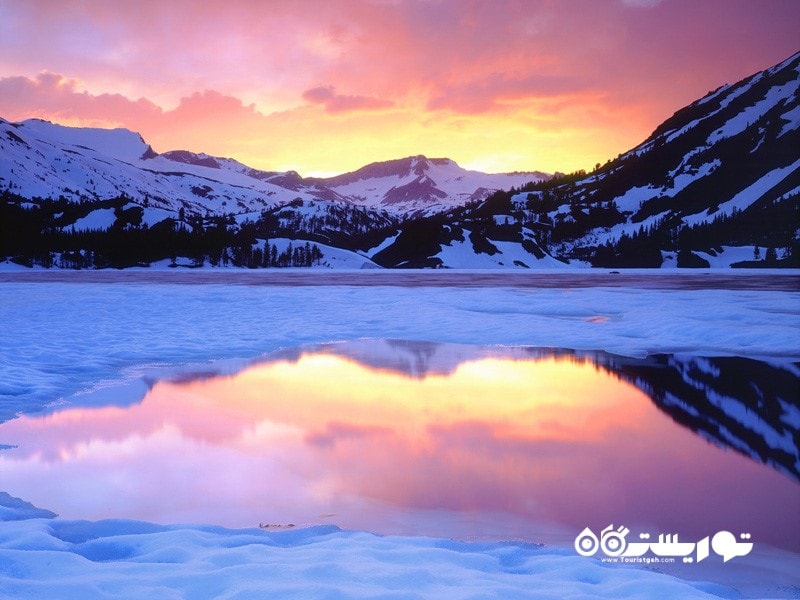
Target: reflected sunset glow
<point x="495" y="447"/>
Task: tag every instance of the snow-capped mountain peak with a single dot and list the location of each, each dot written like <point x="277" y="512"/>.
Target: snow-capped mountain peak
<point x="45" y="160"/>
<point x="418" y="185"/>
<point x="121" y="144"/>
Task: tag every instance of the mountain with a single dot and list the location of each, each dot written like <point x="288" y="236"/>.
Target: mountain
<point x="418" y="185"/>
<point x="725" y="170"/>
<point x="84" y="180"/>
<point x="717" y="184"/>
<point x="39" y="159"/>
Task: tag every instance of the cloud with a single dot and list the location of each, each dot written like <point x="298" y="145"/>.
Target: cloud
<point x="204" y="121"/>
<point x="319" y="95"/>
<point x="212" y="105"/>
<point x="333" y="102"/>
<point x="57" y="96"/>
<point x="463" y="56"/>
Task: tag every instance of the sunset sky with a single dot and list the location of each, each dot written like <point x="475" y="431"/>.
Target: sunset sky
<point x="326" y="86"/>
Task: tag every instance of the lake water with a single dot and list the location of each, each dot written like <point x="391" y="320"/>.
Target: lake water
<point x="435" y="439"/>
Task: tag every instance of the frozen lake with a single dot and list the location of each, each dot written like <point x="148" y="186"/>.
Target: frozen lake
<point x="684" y="430"/>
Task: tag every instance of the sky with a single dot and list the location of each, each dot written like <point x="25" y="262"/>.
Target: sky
<point x="327" y="86"/>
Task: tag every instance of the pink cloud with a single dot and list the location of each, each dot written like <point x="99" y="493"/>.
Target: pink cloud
<point x="333" y="102"/>
<point x="55" y="95"/>
<point x="393" y="52"/>
<point x="202" y="121"/>
<point x="210" y="104"/>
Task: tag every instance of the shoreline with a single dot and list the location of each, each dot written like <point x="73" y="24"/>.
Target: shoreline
<point x="750" y="279"/>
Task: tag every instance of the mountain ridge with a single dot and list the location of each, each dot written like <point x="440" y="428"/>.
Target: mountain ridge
<point x="717" y="180"/>
<point x="717" y="184"/>
<point x="144" y="172"/>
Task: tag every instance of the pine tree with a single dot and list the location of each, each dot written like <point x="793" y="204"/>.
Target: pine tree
<point x="771" y="256"/>
<point x="256" y="258"/>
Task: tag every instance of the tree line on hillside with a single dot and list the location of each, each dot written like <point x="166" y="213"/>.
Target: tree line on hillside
<point x="42" y="233"/>
<point x="768" y="227"/>
<point x="337" y="224"/>
<point x="549" y="218"/>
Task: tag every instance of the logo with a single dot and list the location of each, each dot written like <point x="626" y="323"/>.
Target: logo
<point x="614" y="544"/>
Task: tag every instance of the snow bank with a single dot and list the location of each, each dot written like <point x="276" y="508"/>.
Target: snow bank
<point x="729" y="256"/>
<point x="332" y="257"/>
<point x="43" y="558"/>
<point x="16" y="509"/>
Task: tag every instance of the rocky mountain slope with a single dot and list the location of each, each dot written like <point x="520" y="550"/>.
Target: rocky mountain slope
<point x="716" y="183"/>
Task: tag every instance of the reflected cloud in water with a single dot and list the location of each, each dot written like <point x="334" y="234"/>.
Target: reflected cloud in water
<point x="406" y="437"/>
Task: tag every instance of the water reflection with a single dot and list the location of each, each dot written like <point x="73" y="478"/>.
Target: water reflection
<point x="403" y="437"/>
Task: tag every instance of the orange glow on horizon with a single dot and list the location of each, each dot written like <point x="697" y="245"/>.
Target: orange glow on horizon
<point x="324" y="88"/>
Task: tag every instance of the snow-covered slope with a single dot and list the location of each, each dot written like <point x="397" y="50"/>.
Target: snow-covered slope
<point x="39" y="159"/>
<point x="724" y="170"/>
<point x="721" y="176"/>
<point x="42" y="160"/>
